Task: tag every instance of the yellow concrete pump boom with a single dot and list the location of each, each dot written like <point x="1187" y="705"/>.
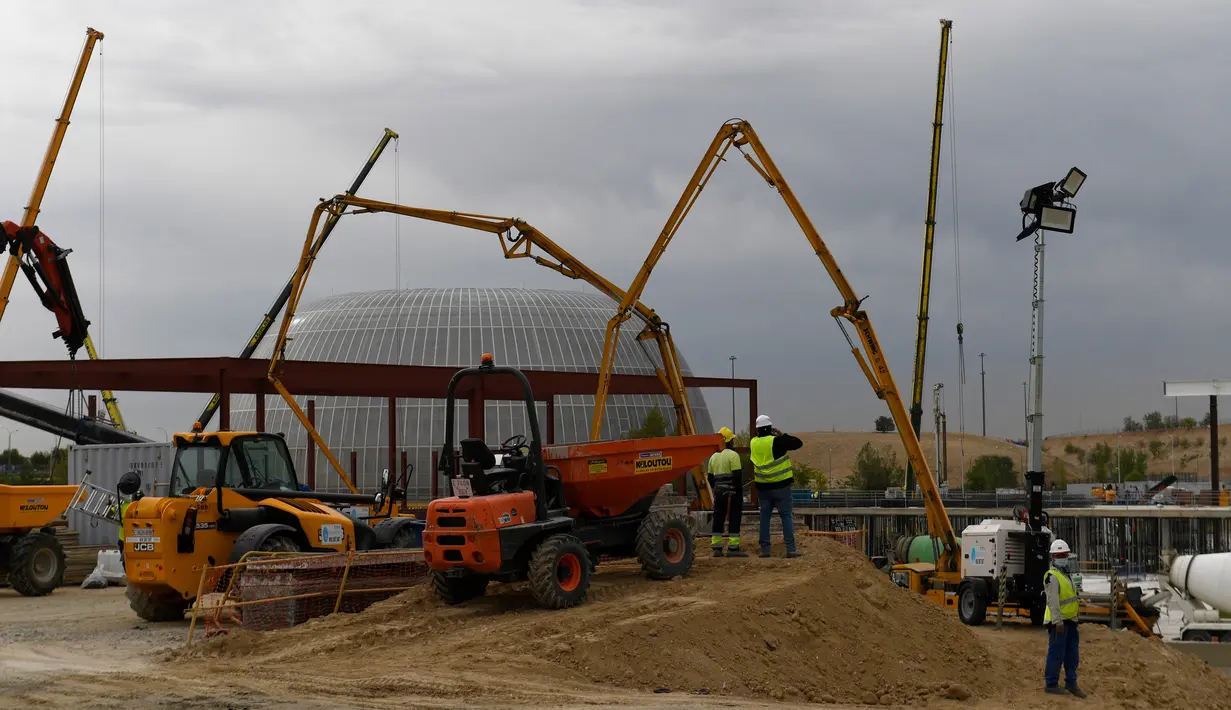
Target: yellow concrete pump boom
<point x="518" y="239"/>
<point x="739" y="133"/>
<point x="35" y="203"/>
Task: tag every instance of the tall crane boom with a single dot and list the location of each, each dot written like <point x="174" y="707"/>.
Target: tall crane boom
<point x="518" y="239"/>
<point x="929" y="232"/>
<point x="275" y="308"/>
<point x="739" y="134"/>
<point x="20" y="240"/>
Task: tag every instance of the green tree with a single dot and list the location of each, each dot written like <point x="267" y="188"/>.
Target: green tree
<point x="877" y="469"/>
<point x="884" y="424"/>
<point x="992" y="472"/>
<point x="1171" y="422"/>
<point x="1205" y="420"/>
<point x="40" y="461"/>
<point x="1153" y="421"/>
<point x="809" y="477"/>
<point x="654" y="426"/>
<point x="1131" y="424"/>
<point x="1060" y="475"/>
<point x="1156" y="448"/>
<point x="1100" y="457"/>
<point x="1188" y="423"/>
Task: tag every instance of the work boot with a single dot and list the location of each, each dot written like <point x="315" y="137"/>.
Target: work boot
<point x="736" y="552"/>
<point x="1055" y="690"/>
<point x="765" y="554"/>
<point x="793" y="554"/>
<point x="717" y="550"/>
<point x="1076" y="691"/>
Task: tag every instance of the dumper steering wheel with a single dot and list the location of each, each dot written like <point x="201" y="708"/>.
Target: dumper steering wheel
<point x="514" y="443"/>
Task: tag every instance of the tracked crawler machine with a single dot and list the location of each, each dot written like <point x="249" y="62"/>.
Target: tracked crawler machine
<point x="546" y="515"/>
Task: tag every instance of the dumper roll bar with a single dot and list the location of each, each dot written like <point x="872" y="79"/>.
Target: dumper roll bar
<point x="534" y="459"/>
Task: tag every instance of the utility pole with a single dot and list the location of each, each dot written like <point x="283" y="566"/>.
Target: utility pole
<point x="983" y="391"/>
<point x="1026" y="411"/>
<point x="938" y="423"/>
<point x="732" y="358"/>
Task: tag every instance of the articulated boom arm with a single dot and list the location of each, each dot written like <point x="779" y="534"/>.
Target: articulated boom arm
<point x="517" y="240"/>
<point x="739" y="133"/>
<point x="42" y="261"/>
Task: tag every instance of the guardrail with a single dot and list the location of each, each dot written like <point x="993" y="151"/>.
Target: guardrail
<point x="984" y="499"/>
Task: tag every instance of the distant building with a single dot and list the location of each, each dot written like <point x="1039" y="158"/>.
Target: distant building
<point x="453" y="327"/>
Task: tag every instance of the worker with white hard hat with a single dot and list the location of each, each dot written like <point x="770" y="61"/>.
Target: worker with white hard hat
<point x="1061" y="620"/>
<point x="774" y="478"/>
<point x="726" y="476"/>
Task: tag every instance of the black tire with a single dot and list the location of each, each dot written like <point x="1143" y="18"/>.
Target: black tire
<point x="403" y="537"/>
<point x="1197" y="635"/>
<point x="36" y="564"/>
<point x="457" y="590"/>
<point x="972" y="602"/>
<point x="665" y="546"/>
<point x="267" y="537"/>
<point x="560" y="572"/>
<point x="151" y="606"/>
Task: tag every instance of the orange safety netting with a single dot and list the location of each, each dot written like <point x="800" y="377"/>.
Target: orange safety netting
<point x="267" y="591"/>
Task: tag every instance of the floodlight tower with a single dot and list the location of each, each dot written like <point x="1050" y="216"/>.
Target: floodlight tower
<point x="1045" y="208"/>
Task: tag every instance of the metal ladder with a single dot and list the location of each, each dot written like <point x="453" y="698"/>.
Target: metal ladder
<point x="95" y="501"/>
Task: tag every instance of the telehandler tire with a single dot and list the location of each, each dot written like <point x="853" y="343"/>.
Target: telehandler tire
<point x="456" y="590"/>
<point x="665" y="546"/>
<point x="151" y="606"/>
<point x="560" y="572"/>
<point x="36" y="564"/>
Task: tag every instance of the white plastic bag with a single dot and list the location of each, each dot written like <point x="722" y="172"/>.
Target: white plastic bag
<point x="107" y="572"/>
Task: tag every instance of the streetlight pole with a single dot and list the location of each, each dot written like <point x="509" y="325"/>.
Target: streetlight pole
<point x="1026" y="411"/>
<point x="732" y="358"/>
<point x="165" y="436"/>
<point x="1119" y="477"/>
<point x="983" y="391"/>
<point x="9" y="462"/>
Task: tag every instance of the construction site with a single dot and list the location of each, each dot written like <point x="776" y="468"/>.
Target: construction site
<point x="413" y="484"/>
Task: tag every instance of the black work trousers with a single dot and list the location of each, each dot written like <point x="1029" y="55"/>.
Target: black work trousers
<point x="728" y="508"/>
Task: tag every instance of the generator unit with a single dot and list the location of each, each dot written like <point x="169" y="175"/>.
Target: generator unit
<point x="994" y="547"/>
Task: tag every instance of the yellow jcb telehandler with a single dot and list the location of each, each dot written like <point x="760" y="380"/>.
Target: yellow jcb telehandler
<point x="232" y="493"/>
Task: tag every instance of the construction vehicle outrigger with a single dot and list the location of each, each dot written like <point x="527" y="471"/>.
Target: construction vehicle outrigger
<point x="232" y="493"/>
<point x="547" y="514"/>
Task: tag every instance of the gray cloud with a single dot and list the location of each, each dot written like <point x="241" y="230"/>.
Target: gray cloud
<point x="225" y="121"/>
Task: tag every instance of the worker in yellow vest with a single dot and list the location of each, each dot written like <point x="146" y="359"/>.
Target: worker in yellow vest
<point x="1061" y="620"/>
<point x="774" y="478"/>
<point x="725" y="473"/>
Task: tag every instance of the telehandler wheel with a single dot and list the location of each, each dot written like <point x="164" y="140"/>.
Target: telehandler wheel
<point x="456" y="590"/>
<point x="972" y="602"/>
<point x="151" y="606"/>
<point x="665" y="546"/>
<point x="279" y="543"/>
<point x="36" y="564"/>
<point x="560" y="572"/>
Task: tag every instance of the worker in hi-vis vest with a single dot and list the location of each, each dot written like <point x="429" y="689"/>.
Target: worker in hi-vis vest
<point x="1061" y="620"/>
<point x="726" y="476"/>
<point x="774" y="477"/>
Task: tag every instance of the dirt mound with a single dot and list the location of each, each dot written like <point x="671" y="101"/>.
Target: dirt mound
<point x="825" y="628"/>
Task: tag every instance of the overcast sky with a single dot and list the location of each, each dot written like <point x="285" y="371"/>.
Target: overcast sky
<point x="223" y="123"/>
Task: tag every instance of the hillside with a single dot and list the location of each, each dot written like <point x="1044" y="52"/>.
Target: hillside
<point x="835" y="452"/>
<point x="1191" y="449"/>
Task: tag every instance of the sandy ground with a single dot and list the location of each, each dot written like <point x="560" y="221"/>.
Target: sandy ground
<point x="825" y="631"/>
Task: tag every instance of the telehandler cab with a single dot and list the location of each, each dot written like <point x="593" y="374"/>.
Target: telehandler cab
<point x="546" y="515"/>
<point x="234" y="493"/>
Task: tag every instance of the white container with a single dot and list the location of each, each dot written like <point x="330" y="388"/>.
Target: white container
<point x="106" y="463"/>
<point x="1205" y="577"/>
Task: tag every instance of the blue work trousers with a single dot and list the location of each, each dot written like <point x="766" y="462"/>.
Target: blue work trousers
<point x="779" y="498"/>
<point x="1061" y="650"/>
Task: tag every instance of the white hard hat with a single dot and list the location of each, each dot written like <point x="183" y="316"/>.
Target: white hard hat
<point x="1059" y="547"/>
<point x="763" y="421"/>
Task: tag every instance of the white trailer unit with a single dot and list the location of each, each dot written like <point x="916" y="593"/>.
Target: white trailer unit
<point x="106" y="463"/>
<point x="1199" y="587"/>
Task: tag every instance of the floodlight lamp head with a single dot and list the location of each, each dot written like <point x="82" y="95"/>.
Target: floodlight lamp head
<point x="1037" y="197"/>
<point x="1071" y="183"/>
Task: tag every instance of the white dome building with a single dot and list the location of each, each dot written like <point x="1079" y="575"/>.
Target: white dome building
<point x="453" y="327"/>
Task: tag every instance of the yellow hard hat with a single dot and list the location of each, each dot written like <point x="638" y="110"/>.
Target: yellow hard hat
<point x="727" y="434"/>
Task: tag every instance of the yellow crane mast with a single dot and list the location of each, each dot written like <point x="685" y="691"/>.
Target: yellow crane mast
<point x="929" y="232"/>
<point x="34" y="205"/>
